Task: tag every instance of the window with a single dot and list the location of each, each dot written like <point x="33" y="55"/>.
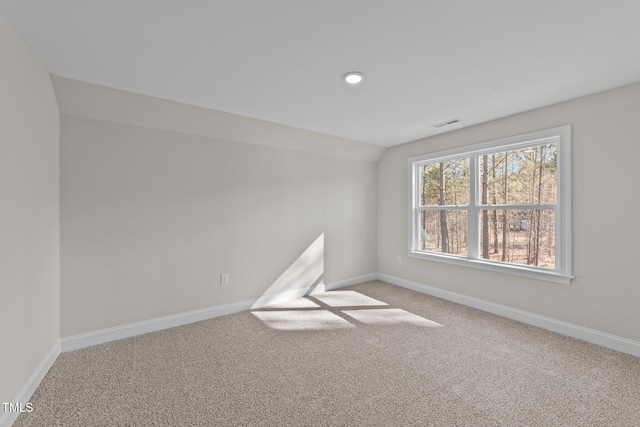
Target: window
<point x="503" y="205"/>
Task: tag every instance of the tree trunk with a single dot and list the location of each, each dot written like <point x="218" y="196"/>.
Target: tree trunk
<point x="485" y="213"/>
<point x="536" y="255"/>
<point x="494" y="213"/>
<point x="423" y="214"/>
<point x="531" y="217"/>
<point x="505" y="219"/>
<point x="423" y="232"/>
<point x="443" y="214"/>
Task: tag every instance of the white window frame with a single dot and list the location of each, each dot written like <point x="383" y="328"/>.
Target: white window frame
<point x="562" y="272"/>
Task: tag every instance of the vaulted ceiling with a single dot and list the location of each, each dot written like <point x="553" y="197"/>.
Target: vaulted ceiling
<point x="424" y="62"/>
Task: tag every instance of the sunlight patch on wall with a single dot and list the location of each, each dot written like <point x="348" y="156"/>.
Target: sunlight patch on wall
<point x="303" y="275"/>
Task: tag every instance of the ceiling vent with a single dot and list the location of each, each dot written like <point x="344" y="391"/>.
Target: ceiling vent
<point x="446" y="123"/>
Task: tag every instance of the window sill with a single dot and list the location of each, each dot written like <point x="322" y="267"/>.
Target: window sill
<point x="515" y="270"/>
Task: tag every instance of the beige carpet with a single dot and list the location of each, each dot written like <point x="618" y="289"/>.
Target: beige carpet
<point x="369" y="355"/>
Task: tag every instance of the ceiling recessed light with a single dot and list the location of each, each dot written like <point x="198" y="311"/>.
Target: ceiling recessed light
<point x="353" y="77"/>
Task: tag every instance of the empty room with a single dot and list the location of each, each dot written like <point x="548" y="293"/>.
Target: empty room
<point x="319" y="213"/>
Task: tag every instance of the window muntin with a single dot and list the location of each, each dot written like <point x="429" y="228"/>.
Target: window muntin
<point x="503" y="205"/>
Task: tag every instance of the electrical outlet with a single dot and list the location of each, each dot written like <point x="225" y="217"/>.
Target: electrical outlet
<point x="399" y="259"/>
<point x="224" y="279"/>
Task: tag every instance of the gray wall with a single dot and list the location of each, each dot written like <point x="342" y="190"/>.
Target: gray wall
<point x="152" y="217"/>
<point x="29" y="209"/>
<point x="159" y="199"/>
<point x="604" y="294"/>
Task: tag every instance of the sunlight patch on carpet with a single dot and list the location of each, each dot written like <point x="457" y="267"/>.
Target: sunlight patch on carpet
<point x="390" y="316"/>
<point x="347" y="299"/>
<point x="302" y="320"/>
<point x="296" y="303"/>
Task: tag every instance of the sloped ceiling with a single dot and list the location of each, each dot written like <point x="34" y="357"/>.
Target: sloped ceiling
<point x="283" y="60"/>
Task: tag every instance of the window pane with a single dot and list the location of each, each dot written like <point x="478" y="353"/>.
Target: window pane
<point x="443" y="231"/>
<point x="445" y="183"/>
<point x="523" y="176"/>
<point x="524" y="237"/>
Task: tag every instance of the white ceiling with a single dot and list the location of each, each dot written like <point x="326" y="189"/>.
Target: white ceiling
<point x="283" y="60"/>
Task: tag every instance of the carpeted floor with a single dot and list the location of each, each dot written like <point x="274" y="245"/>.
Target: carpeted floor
<point x="369" y="355"/>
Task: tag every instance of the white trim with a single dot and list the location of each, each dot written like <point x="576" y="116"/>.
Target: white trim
<point x="24" y="394"/>
<point x="531" y="139"/>
<point x="92" y="338"/>
<point x="603" y="339"/>
<point x="495" y="266"/>
<point x="561" y="136"/>
<point x="412" y="188"/>
<point x="563" y="217"/>
<point x="352" y="281"/>
<point x="101" y="336"/>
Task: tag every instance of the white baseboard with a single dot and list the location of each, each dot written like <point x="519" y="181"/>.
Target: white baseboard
<point x="101" y="336"/>
<point x="352" y="281"/>
<point x="89" y="339"/>
<point x="320" y="287"/>
<point x="105" y="335"/>
<point x="132" y="329"/>
<point x="29" y="387"/>
<point x="585" y="334"/>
